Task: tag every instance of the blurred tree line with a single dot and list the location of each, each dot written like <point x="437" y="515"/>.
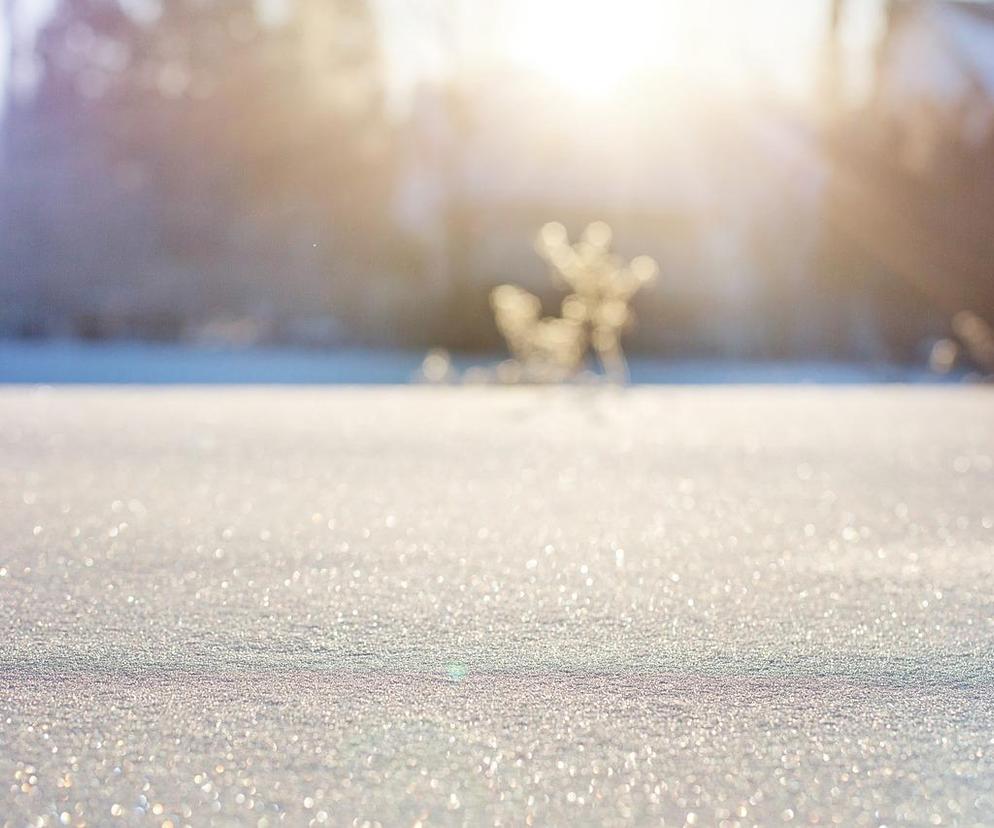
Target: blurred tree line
<point x="193" y="159"/>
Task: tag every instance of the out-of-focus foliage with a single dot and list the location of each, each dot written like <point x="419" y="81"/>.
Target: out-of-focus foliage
<point x="207" y="170"/>
<point x="594" y="314"/>
<point x="211" y="152"/>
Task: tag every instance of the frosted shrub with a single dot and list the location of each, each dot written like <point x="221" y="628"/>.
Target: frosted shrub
<point x="977" y="338"/>
<point x="547" y="349"/>
<point x="974" y="340"/>
<point x="594" y="314"/>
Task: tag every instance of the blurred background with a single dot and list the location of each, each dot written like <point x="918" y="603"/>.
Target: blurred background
<point x="815" y="178"/>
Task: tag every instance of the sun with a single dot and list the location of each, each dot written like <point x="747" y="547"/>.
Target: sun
<point x="589" y="47"/>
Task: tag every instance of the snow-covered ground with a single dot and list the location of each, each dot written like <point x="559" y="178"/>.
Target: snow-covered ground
<point x="69" y="361"/>
<point x="483" y="605"/>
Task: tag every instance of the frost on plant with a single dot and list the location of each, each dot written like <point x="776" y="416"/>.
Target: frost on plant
<point x="974" y="339"/>
<point x="594" y="314"/>
<point x="549" y="349"/>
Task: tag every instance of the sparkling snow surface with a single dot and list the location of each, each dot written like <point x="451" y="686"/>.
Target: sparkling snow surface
<point x="480" y="606"/>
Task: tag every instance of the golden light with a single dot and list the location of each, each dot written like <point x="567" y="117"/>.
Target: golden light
<point x="590" y="47"/>
<point x="587" y="47"/>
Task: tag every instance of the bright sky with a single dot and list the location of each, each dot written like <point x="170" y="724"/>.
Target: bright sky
<point x="588" y="46"/>
<point x="592" y="46"/>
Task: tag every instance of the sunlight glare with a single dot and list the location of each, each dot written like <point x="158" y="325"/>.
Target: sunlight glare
<point x="589" y="48"/>
<point x="592" y="48"/>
